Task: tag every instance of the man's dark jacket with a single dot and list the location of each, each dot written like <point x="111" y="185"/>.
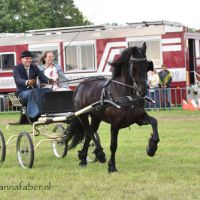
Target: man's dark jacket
<point x="20" y="76"/>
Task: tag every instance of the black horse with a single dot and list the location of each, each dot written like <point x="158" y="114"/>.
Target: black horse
<point x="127" y="89"/>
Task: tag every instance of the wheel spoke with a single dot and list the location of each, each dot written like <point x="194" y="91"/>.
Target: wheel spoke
<point x="59" y="147"/>
<point x="25" y="150"/>
<point x="2" y="148"/>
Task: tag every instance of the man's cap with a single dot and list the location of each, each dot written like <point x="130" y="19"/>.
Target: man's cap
<point x="26" y="54"/>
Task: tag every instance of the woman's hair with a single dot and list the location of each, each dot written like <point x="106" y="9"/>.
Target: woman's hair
<point x="150" y="65"/>
<point x="42" y="60"/>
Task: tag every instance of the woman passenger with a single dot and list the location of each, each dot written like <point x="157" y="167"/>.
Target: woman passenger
<point x="53" y="71"/>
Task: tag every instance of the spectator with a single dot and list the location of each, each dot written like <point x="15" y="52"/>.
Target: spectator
<point x="153" y="82"/>
<point x="165" y="84"/>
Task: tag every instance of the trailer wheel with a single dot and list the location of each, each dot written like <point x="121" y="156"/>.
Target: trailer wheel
<point x="91" y="156"/>
<point x="2" y="148"/>
<point x="25" y="150"/>
<point x="59" y="147"/>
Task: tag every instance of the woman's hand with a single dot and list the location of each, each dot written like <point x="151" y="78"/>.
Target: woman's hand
<point x="51" y="81"/>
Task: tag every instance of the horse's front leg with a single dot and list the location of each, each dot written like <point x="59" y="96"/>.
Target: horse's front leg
<point x="153" y="141"/>
<point x="113" y="148"/>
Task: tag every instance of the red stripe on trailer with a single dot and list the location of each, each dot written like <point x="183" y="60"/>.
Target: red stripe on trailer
<point x="174" y="59"/>
<point x="101" y="45"/>
<point x="14" y="48"/>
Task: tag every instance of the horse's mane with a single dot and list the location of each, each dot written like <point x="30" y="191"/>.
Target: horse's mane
<point x="120" y="62"/>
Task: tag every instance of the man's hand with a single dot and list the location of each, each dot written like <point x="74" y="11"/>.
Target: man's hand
<point x="31" y="82"/>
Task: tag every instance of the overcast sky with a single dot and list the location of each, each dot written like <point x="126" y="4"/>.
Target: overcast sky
<point x="123" y="11"/>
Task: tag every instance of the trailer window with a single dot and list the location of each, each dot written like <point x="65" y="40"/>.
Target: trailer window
<point x="39" y="49"/>
<point x="71" y="58"/>
<point x="80" y="57"/>
<point x="153" y="50"/>
<point x="7" y="61"/>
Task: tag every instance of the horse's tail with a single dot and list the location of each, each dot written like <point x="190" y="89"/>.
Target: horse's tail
<point x="75" y="133"/>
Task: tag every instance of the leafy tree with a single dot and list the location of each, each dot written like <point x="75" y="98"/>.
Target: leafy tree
<point x="23" y="15"/>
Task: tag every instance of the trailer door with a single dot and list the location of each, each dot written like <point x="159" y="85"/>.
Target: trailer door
<point x="192" y="63"/>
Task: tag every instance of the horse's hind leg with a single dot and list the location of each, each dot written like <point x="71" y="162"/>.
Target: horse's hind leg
<point x="100" y="155"/>
<point x="90" y="130"/>
<point x="153" y="141"/>
<point x="82" y="154"/>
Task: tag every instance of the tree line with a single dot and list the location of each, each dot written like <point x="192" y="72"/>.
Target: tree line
<point x="21" y="15"/>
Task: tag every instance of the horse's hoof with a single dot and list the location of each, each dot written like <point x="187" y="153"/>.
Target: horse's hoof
<point x="112" y="169"/>
<point x="149" y="152"/>
<point x="100" y="156"/>
<point x="82" y="155"/>
<point x="151" y="148"/>
<point x="83" y="164"/>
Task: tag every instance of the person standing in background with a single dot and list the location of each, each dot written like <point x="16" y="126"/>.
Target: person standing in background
<point x="165" y="85"/>
<point x="153" y="84"/>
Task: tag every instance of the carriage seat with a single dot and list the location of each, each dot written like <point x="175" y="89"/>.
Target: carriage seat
<point x="56" y="102"/>
<point x="19" y="103"/>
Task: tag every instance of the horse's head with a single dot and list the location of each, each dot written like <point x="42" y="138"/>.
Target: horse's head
<point x="138" y="65"/>
<point x="131" y="67"/>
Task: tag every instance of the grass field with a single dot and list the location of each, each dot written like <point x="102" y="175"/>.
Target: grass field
<point x="173" y="174"/>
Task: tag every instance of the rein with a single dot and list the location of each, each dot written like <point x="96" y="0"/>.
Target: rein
<point x="123" y="84"/>
<point x="138" y="59"/>
<point x="118" y="82"/>
<point x="97" y="78"/>
<point x="52" y="63"/>
<point x="83" y="78"/>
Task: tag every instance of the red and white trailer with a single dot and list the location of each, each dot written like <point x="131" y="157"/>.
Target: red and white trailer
<point x="86" y="50"/>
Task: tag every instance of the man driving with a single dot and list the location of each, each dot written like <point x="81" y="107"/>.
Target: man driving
<point x="25" y="76"/>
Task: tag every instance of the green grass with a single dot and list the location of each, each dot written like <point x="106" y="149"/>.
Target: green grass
<point x="174" y="173"/>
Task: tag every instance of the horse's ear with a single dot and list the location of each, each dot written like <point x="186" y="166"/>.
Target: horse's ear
<point x="144" y="47"/>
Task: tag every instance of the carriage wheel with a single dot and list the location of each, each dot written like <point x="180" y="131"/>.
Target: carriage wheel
<point x="91" y="156"/>
<point x="59" y="147"/>
<point x="25" y="150"/>
<point x="2" y="148"/>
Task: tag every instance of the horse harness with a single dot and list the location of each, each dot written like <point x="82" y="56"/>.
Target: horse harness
<point x="122" y="102"/>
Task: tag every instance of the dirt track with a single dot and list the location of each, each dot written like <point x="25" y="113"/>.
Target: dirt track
<point x="179" y="118"/>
